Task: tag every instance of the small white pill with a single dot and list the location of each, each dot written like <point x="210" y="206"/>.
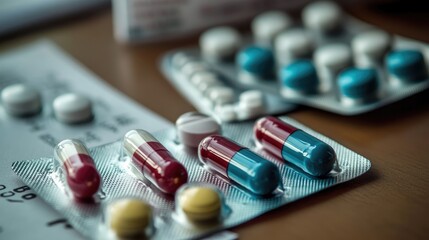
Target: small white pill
<point x="251" y="105"/>
<point x="21" y="100"/>
<point x="200" y="77"/>
<point x="226" y="113"/>
<point x="252" y="96"/>
<point x="72" y="108"/>
<point x="268" y="25"/>
<point x="323" y="16"/>
<point x="220" y="43"/>
<point x="221" y="95"/>
<point x="205" y="86"/>
<point x="330" y="60"/>
<point x="180" y="59"/>
<point x="369" y="48"/>
<point x="193" y="67"/>
<point x="192" y="127"/>
<point x="292" y="45"/>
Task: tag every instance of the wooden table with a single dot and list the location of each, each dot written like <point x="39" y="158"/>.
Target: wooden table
<point x="391" y="201"/>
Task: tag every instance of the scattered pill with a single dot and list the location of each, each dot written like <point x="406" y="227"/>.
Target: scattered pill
<point x="192" y="127"/>
<point x="358" y="85"/>
<point x="322" y="16"/>
<point x="268" y="25"/>
<point x="292" y="45"/>
<point x="72" y="108"/>
<point x="220" y="43"/>
<point x="257" y="61"/>
<point x="239" y="164"/>
<point x="154" y="161"/>
<point x="299" y="76"/>
<point x="81" y="173"/>
<point x="129" y="217"/>
<point x="407" y="65"/>
<point x="370" y="47"/>
<point x="295" y="146"/>
<point x="200" y="204"/>
<point x="21" y="100"/>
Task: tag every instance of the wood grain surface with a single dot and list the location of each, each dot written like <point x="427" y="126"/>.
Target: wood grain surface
<point x="391" y="201"/>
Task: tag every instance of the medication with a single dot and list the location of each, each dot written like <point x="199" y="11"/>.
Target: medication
<point x="21" y="100"/>
<point x="323" y="16"/>
<point x="406" y="65"/>
<point x="369" y="48"/>
<point x="226" y="113"/>
<point x="251" y="104"/>
<point x="80" y="171"/>
<point x="192" y="67"/>
<point x="358" y="85"/>
<point x="72" y="108"/>
<point x="299" y="77"/>
<point x="292" y="45"/>
<point x="295" y="146"/>
<point x="220" y="43"/>
<point x="128" y="218"/>
<point x="154" y="161"/>
<point x="266" y="26"/>
<point x="220" y="95"/>
<point x="192" y="127"/>
<point x="200" y="203"/>
<point x="239" y="164"/>
<point x="256" y="61"/>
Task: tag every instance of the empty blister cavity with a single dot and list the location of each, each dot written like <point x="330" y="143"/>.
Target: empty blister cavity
<point x="369" y="48"/>
<point x="192" y="127"/>
<point x="255" y="63"/>
<point x="220" y="43"/>
<point x="73" y="108"/>
<point x="406" y="66"/>
<point x="292" y="45"/>
<point x="295" y="146"/>
<point x="242" y="166"/>
<point x="299" y="77"/>
<point x="154" y="162"/>
<point x="358" y="85"/>
<point x="21" y="100"/>
<point x="323" y="17"/>
<point x="266" y="26"/>
<point x="78" y="168"/>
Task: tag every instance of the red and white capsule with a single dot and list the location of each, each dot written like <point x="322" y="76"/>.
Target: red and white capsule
<point x="81" y="173"/>
<point x="154" y="161"/>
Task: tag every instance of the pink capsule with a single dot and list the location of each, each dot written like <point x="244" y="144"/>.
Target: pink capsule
<point x="82" y="176"/>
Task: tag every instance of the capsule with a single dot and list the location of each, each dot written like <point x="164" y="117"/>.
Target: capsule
<point x="154" y="161"/>
<point x="82" y="176"/>
<point x="295" y="146"/>
<point x="239" y="164"/>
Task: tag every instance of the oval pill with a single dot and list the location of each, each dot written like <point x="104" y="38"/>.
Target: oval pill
<point x="154" y="161"/>
<point x="242" y="166"/>
<point x="407" y="65"/>
<point x="192" y="127"/>
<point x="357" y="85"/>
<point x="81" y="173"/>
<point x="21" y="100"/>
<point x="322" y="16"/>
<point x="220" y="43"/>
<point x="268" y="25"/>
<point x="257" y="61"/>
<point x="293" y="145"/>
<point x="129" y="217"/>
<point x="72" y="108"/>
<point x="300" y="76"/>
<point x="200" y="203"/>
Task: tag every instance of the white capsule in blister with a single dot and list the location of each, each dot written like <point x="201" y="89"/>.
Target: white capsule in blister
<point x="204" y="76"/>
<point x="323" y="16"/>
<point x="369" y="48"/>
<point x="250" y="105"/>
<point x="268" y="25"/>
<point x="193" y="67"/>
<point x="221" y="95"/>
<point x="226" y="113"/>
<point x="73" y="108"/>
<point x="220" y="43"/>
<point x="292" y="45"/>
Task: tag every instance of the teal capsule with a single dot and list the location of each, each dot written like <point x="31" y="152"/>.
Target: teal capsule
<point x="406" y="65"/>
<point x="358" y="83"/>
<point x="300" y="76"/>
<point x="257" y="61"/>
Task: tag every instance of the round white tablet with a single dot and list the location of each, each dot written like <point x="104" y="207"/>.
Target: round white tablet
<point x="207" y="84"/>
<point x="220" y="43"/>
<point x="192" y="127"/>
<point x="323" y="16"/>
<point x="292" y="45"/>
<point x="204" y="76"/>
<point x="268" y="25"/>
<point x="370" y="47"/>
<point x="221" y="95"/>
<point x="226" y="113"/>
<point x="193" y="67"/>
<point x="21" y="100"/>
<point x="72" y="108"/>
<point x="251" y="105"/>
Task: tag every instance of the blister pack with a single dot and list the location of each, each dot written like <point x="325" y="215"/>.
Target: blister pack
<point x="327" y="60"/>
<point x="215" y="191"/>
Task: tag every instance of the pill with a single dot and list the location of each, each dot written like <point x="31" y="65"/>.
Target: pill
<point x="21" y="100"/>
<point x="295" y="146"/>
<point x="300" y="77"/>
<point x="80" y="171"/>
<point x="192" y="127"/>
<point x="226" y="113"/>
<point x="180" y="59"/>
<point x="239" y="164"/>
<point x="193" y="67"/>
<point x="200" y="204"/>
<point x="322" y="16"/>
<point x="129" y="217"/>
<point x="220" y="95"/>
<point x="204" y="76"/>
<point x="256" y="61"/>
<point x="220" y="43"/>
<point x="369" y="48"/>
<point x="357" y="85"/>
<point x="72" y="108"/>
<point x="154" y="161"/>
<point x="330" y="60"/>
<point x="251" y="104"/>
<point x="293" y="44"/>
<point x="406" y="65"/>
<point x="268" y="25"/>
